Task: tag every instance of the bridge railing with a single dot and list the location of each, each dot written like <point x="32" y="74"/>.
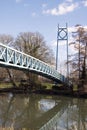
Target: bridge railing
<point x="10" y="57"/>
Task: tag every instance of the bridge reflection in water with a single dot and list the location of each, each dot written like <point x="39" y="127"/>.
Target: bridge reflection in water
<point x="52" y="123"/>
<point x="38" y="112"/>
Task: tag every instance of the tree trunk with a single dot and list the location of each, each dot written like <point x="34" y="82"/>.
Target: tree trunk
<point x="11" y="78"/>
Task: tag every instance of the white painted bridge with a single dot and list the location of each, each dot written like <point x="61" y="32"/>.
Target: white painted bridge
<point x="12" y="58"/>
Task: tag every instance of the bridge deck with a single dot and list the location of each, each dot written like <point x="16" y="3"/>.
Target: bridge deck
<point x="12" y="58"/>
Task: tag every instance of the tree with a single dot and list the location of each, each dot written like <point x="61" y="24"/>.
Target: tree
<point x="79" y="59"/>
<point x="7" y="40"/>
<point x="34" y="44"/>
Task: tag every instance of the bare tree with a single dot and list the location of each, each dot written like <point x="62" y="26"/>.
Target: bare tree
<point x="79" y="60"/>
<point x="8" y="40"/>
<point x="34" y="45"/>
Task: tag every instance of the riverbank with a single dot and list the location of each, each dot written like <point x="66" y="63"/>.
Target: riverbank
<point x="77" y="94"/>
<point x="64" y="93"/>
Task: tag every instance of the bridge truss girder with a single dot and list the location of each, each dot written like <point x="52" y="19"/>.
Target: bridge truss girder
<point x="12" y="58"/>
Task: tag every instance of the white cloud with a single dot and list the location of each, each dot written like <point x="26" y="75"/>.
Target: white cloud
<point x="62" y="47"/>
<point x="63" y="42"/>
<point x="62" y="8"/>
<point x="60" y="43"/>
<point x="84" y="2"/>
<point x="73" y="28"/>
<point x="85" y="28"/>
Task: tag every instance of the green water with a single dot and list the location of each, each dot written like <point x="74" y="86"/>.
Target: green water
<point x="33" y="112"/>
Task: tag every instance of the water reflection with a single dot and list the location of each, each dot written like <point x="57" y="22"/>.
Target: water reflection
<point x="34" y="112"/>
<point x="45" y="104"/>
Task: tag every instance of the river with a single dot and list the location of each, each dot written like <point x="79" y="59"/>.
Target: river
<point x="42" y="112"/>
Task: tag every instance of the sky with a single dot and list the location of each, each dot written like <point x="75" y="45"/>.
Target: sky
<point x="41" y="16"/>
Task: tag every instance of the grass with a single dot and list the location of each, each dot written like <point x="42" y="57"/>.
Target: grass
<point x="8" y="85"/>
<point x="48" y="85"/>
<point x="5" y="85"/>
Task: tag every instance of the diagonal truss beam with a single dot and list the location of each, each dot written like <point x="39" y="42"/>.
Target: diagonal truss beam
<point x="12" y="58"/>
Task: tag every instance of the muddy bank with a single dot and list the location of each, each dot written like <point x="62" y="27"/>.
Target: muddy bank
<point x="64" y="93"/>
<point x="78" y="94"/>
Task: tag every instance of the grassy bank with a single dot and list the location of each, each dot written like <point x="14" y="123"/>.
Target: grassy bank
<point x="5" y="85"/>
<point x="48" y="85"/>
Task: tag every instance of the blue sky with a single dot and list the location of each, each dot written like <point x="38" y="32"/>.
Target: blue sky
<point x="41" y="15"/>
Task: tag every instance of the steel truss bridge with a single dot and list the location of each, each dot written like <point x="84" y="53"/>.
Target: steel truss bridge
<point x="12" y="58"/>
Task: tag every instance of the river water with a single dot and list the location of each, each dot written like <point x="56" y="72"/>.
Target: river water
<point x="42" y="112"/>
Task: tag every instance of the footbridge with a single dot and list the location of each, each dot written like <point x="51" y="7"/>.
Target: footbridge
<point x="12" y="58"/>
